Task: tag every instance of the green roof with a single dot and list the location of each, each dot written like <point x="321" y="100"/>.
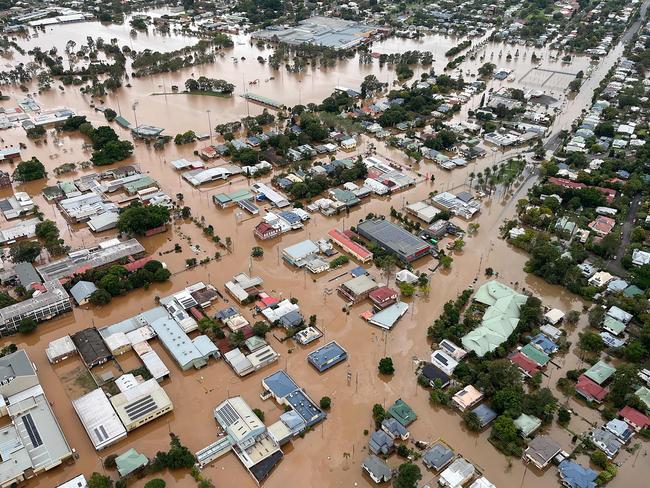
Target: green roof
<point x="632" y="291"/>
<point x="140" y="184"/>
<point x="527" y="424"/>
<point x="234" y="196"/>
<point x="122" y="121"/>
<point x="616" y="326"/>
<point x="644" y="394"/>
<point x="600" y="372"/>
<point x="499" y="320"/>
<point x="534" y="354"/>
<point x="130" y="461"/>
<point x="401" y="412"/>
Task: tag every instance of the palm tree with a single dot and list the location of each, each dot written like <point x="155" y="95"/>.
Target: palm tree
<point x="471" y="178"/>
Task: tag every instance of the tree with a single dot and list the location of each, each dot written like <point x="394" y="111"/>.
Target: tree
<point x="599" y="458"/>
<point x="622" y="385"/>
<point x="386" y="366"/>
<point x="137" y="220"/>
<point x="509" y="401"/>
<point x="178" y="456"/>
<point x="29" y="170"/>
<point x="596" y="316"/>
<point x="445" y="261"/>
<point x="378" y="414"/>
<point x="27" y="325"/>
<point x="257" y="252"/>
<point x="109" y="461"/>
<point x="99" y="481"/>
<point x="260" y="328"/>
<point x="572" y="317"/>
<point x="472" y="421"/>
<point x="25" y="251"/>
<point x="406" y="289"/>
<point x="591" y="342"/>
<point x="100" y="297"/>
<point x="486" y="70"/>
<point x="408" y="475"/>
<point x="505" y="436"/>
<point x="236" y="338"/>
<point x="325" y="403"/>
<point x="110" y="115"/>
<point x="563" y="416"/>
<point x="259" y="413"/>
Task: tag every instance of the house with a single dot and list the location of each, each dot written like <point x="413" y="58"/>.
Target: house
<point x="640" y="258"/>
<point x="606" y="442"/>
<point x="457" y="474"/>
<point x="82" y="291"/>
<point x="554" y="316"/>
<point x="401" y="412"/>
<point x="437" y="456"/>
<point x="644" y="395"/>
<point x="482" y="482"/>
<point x="590" y="390"/>
<point x="394" y="429"/>
<point x="602" y="225"/>
<point x="381" y="443"/>
<point x="619" y="314"/>
<point x="377" y="469"/>
<point x="573" y="475"/>
<point x="451" y="349"/>
<point x="130" y="462"/>
<point x="637" y="420"/>
<point x="600" y="372"/>
<point x="443" y="361"/>
<point x="388" y="317"/>
<point x="527" y="366"/>
<point x="435" y="376"/>
<point x="466" y="398"/>
<point x="600" y="279"/>
<point x="536" y="355"/>
<point x="264" y="231"/>
<point x="527" y="424"/>
<point x="544" y="344"/>
<point x="383" y="297"/>
<point x="541" y="450"/>
<point x="485" y="415"/>
<point x="405" y="276"/>
<point x="620" y="429"/>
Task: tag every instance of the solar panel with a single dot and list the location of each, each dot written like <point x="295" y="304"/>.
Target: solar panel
<point x="34" y="436"/>
<point x="141" y="407"/>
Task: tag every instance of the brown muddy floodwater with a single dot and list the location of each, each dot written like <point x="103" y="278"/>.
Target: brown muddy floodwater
<point x="329" y="456"/>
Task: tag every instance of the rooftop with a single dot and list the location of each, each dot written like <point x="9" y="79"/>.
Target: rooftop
<point x="327" y="356"/>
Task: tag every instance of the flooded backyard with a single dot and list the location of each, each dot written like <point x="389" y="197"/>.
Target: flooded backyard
<point x="331" y="454"/>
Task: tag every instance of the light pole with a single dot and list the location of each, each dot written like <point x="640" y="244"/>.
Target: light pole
<point x="135" y="105"/>
<point x="209" y="125"/>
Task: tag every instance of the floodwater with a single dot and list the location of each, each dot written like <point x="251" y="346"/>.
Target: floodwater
<point x="329" y="456"/>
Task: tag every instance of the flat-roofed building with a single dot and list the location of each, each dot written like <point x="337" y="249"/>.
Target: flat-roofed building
<point x="49" y="300"/>
<point x="394" y="239"/>
<point x="357" y="289"/>
<point x="327" y="356"/>
<point x="252" y="444"/>
<point x="142" y="403"/>
<point x="60" y="349"/>
<point x="33" y="442"/>
<point x="99" y="419"/>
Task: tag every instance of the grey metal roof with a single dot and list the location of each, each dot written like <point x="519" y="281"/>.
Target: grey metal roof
<point x="280" y="384"/>
<point x="437" y="456"/>
<point x="82" y="290"/>
<point x="377" y="467"/>
<point x="27" y="274"/>
<point x="392" y="236"/>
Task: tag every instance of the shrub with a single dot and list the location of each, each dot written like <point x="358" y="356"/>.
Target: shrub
<point x="325" y="403"/>
<point x="155" y="483"/>
<point x="386" y="366"/>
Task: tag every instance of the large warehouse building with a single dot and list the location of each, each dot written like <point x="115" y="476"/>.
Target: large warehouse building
<point x="394" y="239"/>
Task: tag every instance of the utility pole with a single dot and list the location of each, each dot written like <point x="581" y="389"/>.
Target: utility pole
<point x="135" y="105"/>
<point x="209" y="125"/>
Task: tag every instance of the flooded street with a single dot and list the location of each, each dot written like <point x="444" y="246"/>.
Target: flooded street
<point x="331" y="454"/>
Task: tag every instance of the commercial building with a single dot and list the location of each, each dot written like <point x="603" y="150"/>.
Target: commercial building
<point x="82" y="260"/>
<point x="99" y="419"/>
<point x="141" y="403"/>
<point x="499" y="320"/>
<point x="33" y="442"/>
<point x="343" y="239"/>
<point x="394" y="239"/>
<point x="249" y="438"/>
<point x="357" y="289"/>
<point x="243" y="287"/>
<point x="265" y="192"/>
<point x="286" y="392"/>
<point x="49" y="300"/>
<point x="91" y="347"/>
<point x="198" y="177"/>
<point x="60" y="349"/>
<point x="327" y="356"/>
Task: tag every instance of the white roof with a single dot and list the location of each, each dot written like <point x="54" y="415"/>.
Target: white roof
<point x="117" y="341"/>
<point x="406" y="276"/>
<point x="102" y="424"/>
<point x="482" y="482"/>
<point x="554" y="315"/>
<point x="60" y="347"/>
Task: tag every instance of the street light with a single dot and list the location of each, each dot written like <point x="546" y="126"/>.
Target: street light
<point x="134" y="106"/>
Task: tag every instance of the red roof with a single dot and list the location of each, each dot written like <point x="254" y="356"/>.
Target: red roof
<point x="525" y="363"/>
<point x="263" y="227"/>
<point x="566" y="183"/>
<point x="635" y="417"/>
<point x="382" y="294"/>
<point x="608" y="192"/>
<point x="137" y="264"/>
<point x="198" y="315"/>
<point x="602" y="225"/>
<point x="590" y="388"/>
<point x="343" y="240"/>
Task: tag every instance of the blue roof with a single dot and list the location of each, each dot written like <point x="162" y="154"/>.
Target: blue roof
<point x="576" y="476"/>
<point x="544" y="343"/>
<point x="358" y="271"/>
<point x="327" y="356"/>
<point x="280" y="384"/>
<point x="290" y="217"/>
<point x="304" y="407"/>
<point x="226" y="313"/>
<point x="485" y="414"/>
